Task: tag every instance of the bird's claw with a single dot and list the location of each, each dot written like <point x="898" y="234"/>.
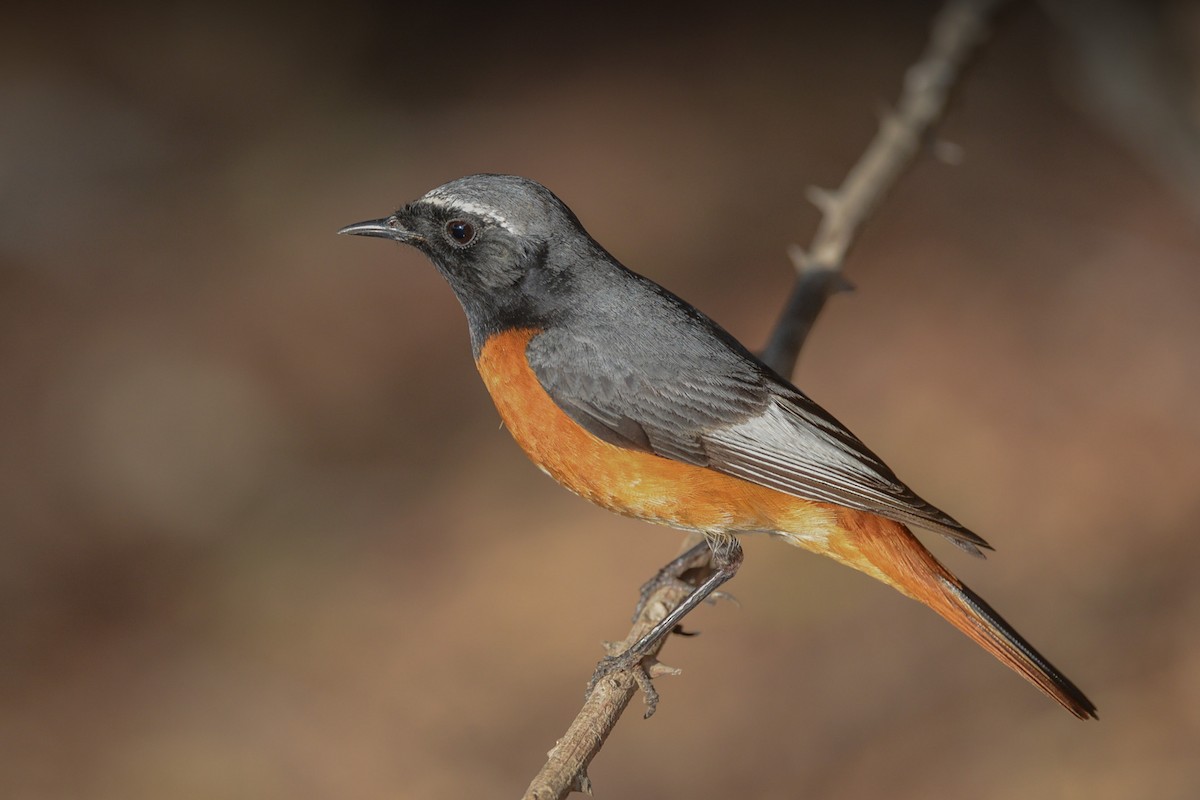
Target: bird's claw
<point x="643" y="670"/>
<point x="719" y="595"/>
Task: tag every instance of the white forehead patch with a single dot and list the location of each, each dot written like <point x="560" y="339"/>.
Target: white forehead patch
<point x="442" y="200"/>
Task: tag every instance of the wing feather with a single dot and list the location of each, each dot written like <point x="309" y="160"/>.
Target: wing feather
<point x="706" y="401"/>
<point x="792" y="450"/>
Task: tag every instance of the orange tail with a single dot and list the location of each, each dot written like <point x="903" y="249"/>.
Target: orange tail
<point x="888" y="551"/>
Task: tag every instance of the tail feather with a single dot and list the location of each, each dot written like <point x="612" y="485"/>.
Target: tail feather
<point x="888" y="551"/>
<point x="971" y="615"/>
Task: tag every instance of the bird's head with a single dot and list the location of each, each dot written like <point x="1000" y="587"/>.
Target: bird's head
<point x="484" y="233"/>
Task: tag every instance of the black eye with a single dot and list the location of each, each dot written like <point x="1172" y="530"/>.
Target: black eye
<point x="461" y="231"/>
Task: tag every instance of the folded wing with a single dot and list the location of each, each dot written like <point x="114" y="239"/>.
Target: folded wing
<point x="794" y="446"/>
<point x="714" y="405"/>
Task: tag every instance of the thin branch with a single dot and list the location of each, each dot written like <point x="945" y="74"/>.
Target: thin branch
<point x="957" y="30"/>
<point x="565" y="770"/>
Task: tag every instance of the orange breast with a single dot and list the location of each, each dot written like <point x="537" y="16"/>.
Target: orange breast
<point x="630" y="482"/>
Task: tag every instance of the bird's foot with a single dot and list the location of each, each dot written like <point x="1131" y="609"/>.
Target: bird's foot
<point x="642" y="668"/>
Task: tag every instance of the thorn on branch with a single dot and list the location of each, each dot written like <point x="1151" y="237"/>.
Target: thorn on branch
<point x="799" y="258"/>
<point x="581" y="782"/>
<point x="950" y="153"/>
<point x="824" y="199"/>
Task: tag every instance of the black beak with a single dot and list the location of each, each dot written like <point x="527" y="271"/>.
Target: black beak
<point x="389" y="228"/>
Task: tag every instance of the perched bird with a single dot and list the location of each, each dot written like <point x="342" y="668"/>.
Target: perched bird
<point x="632" y="398"/>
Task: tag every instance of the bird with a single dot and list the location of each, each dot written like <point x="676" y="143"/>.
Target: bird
<point x="634" y="399"/>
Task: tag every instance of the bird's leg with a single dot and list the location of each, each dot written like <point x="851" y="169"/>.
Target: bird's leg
<point x="726" y="558"/>
<point x="697" y="556"/>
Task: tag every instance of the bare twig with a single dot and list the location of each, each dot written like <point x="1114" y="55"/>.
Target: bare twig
<point x="565" y="770"/>
<point x="959" y="27"/>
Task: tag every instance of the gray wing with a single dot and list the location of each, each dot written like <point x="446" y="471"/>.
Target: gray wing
<point x="794" y="446"/>
<point x="631" y="394"/>
<point x="713" y="404"/>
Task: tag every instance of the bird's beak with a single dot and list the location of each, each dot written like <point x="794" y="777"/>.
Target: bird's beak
<point x="388" y="228"/>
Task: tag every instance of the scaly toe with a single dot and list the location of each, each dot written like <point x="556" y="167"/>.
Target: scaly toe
<point x="640" y="671"/>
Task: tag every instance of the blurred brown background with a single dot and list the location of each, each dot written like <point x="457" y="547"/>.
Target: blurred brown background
<point x="263" y="537"/>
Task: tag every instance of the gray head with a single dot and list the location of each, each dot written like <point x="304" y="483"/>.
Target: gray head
<point x="508" y="247"/>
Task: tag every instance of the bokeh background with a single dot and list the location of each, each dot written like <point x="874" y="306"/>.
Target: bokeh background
<point x="262" y="536"/>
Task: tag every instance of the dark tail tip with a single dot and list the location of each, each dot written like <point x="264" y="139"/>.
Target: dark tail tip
<point x="1022" y="657"/>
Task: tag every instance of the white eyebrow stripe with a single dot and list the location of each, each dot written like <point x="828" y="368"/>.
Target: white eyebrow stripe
<point x="442" y="201"/>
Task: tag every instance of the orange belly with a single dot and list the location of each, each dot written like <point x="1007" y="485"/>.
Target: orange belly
<point x="631" y="482"/>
